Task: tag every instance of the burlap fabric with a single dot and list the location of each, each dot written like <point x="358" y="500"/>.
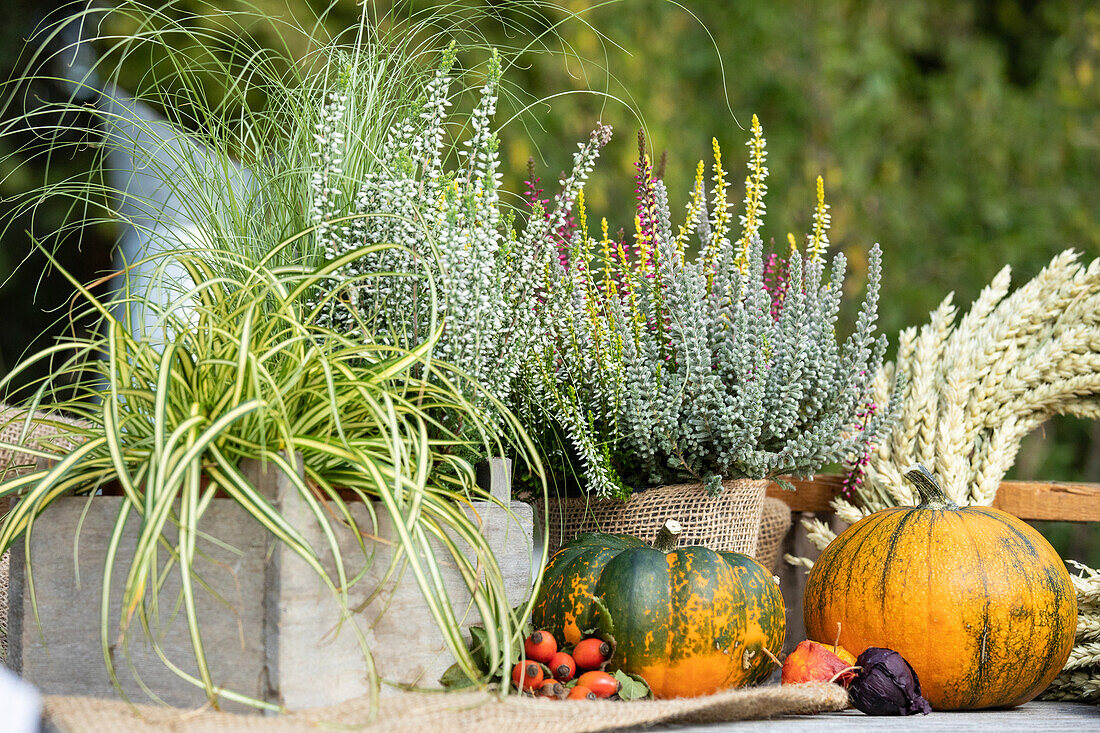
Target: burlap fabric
<point x="4" y="607"/>
<point x="453" y="711"/>
<point x="46" y="432"/>
<point x="775" y="520"/>
<point x="728" y="522"/>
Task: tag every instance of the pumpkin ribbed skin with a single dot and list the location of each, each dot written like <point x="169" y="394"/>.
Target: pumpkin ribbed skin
<point x="690" y="621"/>
<point x="975" y="600"/>
<point x="564" y="606"/>
<point x="680" y="619"/>
<point x="765" y="614"/>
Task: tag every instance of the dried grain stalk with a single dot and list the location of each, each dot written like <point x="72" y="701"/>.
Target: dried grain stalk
<point x="1080" y="678"/>
<point x="974" y="388"/>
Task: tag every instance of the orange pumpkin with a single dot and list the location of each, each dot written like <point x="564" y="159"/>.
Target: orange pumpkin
<point x="975" y="600"/>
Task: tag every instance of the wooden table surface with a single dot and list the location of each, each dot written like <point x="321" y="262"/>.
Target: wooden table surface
<point x="1035" y="717"/>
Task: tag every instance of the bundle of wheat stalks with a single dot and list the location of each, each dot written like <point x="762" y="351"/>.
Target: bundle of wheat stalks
<point x="1080" y="679"/>
<point x="971" y="391"/>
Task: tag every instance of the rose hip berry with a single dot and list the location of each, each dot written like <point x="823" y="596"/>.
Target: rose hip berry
<point x="562" y="666"/>
<point x="527" y="675"/>
<point x="540" y="646"/>
<point x="551" y="688"/>
<point x="591" y="653"/>
<point x="600" y="683"/>
<point x="581" y="693"/>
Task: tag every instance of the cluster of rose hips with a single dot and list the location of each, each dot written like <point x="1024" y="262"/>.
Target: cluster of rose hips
<point x="548" y="672"/>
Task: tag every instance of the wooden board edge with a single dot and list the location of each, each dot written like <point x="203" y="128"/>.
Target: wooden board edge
<point x="1028" y="500"/>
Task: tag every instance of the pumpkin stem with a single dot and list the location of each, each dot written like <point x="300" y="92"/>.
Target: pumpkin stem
<point x="668" y="536"/>
<point x="928" y="489"/>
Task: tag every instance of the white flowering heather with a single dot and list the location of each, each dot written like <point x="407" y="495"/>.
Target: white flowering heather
<point x="666" y="367"/>
<point x="328" y="158"/>
<point x="447" y="225"/>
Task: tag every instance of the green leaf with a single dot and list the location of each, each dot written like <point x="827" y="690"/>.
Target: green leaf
<point x="455" y="679"/>
<point x="479" y="648"/>
<point x="605" y="624"/>
<point x="631" y="686"/>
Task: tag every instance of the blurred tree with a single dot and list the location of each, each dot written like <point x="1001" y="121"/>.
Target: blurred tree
<point x="962" y="136"/>
<point x="33" y="296"/>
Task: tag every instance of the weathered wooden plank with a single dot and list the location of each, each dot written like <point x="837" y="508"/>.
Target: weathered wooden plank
<point x="1050" y="500"/>
<point x="1032" y="500"/>
<point x="810" y="495"/>
<point x="270" y="627"/>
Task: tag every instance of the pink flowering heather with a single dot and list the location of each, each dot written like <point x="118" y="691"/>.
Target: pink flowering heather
<point x="674" y="361"/>
<point x="563" y="233"/>
<point x="775" y="282"/>
<point x="646" y="215"/>
<point x="857" y="471"/>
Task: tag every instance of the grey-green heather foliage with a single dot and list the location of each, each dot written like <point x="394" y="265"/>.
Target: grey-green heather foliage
<point x="693" y="370"/>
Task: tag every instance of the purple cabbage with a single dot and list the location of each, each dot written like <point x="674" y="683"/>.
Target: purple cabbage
<point x="886" y="685"/>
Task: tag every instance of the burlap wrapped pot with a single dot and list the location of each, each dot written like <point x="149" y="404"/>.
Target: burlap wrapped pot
<point x="775" y="521"/>
<point x="726" y="522"/>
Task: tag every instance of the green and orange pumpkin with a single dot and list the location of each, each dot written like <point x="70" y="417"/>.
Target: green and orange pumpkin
<point x="689" y="620"/>
<point x="975" y="600"/>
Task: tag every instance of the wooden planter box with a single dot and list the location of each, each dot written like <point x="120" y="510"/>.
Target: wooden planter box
<point x="273" y="634"/>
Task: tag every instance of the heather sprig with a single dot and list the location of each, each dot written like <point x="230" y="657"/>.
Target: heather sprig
<point x="755" y="188"/>
<point x="708" y="366"/>
<point x="819" y="239"/>
<point x="646" y="215"/>
<point x="694" y="207"/>
<point x="445" y="221"/>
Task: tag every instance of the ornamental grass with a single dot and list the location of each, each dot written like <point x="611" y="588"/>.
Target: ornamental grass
<point x="245" y="375"/>
<point x="210" y="347"/>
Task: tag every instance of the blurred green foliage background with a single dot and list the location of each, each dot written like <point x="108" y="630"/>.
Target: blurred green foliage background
<point x="961" y="135"/>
